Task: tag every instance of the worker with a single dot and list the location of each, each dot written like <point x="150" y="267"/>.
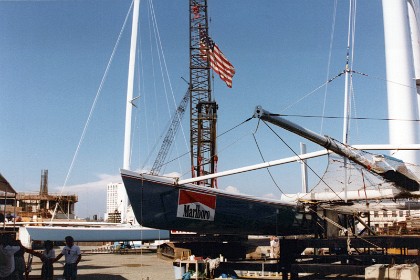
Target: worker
<point x="20" y="265"/>
<point x="72" y="257"/>
<point x="47" y="257"/>
<point x="7" y="259"/>
<point x="274" y="247"/>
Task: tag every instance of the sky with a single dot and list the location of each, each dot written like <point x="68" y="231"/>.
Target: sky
<point x="63" y="84"/>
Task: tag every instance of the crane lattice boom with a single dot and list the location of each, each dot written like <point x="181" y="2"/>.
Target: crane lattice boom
<point x="170" y="135"/>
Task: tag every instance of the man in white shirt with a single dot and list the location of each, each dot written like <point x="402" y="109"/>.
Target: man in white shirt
<point x="72" y="257"/>
<point x="7" y="260"/>
<point x="274" y="247"/>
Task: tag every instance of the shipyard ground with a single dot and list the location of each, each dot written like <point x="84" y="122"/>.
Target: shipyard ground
<point x="138" y="266"/>
<point x="147" y="265"/>
<point x="107" y="266"/>
<point x="103" y="263"/>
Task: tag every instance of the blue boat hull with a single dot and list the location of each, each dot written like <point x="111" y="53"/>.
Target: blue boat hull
<point x="160" y="203"/>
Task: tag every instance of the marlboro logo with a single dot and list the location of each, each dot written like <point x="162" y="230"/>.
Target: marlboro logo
<point x="194" y="205"/>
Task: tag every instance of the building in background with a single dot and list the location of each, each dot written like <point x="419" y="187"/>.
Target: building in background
<point x="37" y="206"/>
<point x="115" y="204"/>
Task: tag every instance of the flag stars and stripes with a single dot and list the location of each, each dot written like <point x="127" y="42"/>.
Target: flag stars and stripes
<point x="218" y="61"/>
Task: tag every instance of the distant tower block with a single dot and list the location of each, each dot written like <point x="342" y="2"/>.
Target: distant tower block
<point x="44" y="182"/>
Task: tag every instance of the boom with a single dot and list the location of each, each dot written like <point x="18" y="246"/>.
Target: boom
<point x="396" y="173"/>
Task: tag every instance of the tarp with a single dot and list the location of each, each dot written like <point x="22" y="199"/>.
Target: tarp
<point x="5" y="186"/>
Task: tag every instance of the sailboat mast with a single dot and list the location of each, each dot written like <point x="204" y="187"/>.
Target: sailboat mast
<point x="414" y="21"/>
<point x="347" y="75"/>
<point x="129" y="105"/>
<point x="130" y="85"/>
<point x="347" y="87"/>
<point x="403" y="104"/>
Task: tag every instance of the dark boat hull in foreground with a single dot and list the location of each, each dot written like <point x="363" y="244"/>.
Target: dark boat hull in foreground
<point x="160" y="203"/>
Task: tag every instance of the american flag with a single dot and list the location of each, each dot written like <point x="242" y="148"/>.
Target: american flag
<point x="218" y="61"/>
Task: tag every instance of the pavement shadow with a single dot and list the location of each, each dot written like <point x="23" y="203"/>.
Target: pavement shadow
<point x="328" y="277"/>
<point x="100" y="277"/>
<point x="87" y="277"/>
<point x="86" y="266"/>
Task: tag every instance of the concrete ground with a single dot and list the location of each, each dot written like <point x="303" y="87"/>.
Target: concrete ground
<point x="141" y="266"/>
<point x="138" y="266"/>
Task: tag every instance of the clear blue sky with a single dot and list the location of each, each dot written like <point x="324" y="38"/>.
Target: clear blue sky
<point x="53" y="55"/>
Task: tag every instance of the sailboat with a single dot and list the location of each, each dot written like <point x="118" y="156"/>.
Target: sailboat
<point x="172" y="204"/>
<point x="185" y="205"/>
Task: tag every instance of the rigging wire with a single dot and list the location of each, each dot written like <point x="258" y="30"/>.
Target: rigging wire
<point x="297" y="155"/>
<point x="351" y="97"/>
<point x="329" y="61"/>
<point x="154" y="89"/>
<point x="136" y="120"/>
<point x="155" y="40"/>
<point x="236" y="126"/>
<point x="140" y="88"/>
<point x="175" y="105"/>
<point x="348" y="67"/>
<point x="219" y="150"/>
<point x="337" y="76"/>
<point x="268" y="169"/>
<point x="385" y="80"/>
<point x="98" y="93"/>
<point x="161" y="57"/>
<point x="150" y="22"/>
<point x="164" y="70"/>
<point x="225" y="132"/>
<point x="312" y="92"/>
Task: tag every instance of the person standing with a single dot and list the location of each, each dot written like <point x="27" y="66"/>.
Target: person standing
<point x="20" y="265"/>
<point x="274" y="247"/>
<point x="47" y="257"/>
<point x="72" y="257"/>
<point x="7" y="259"/>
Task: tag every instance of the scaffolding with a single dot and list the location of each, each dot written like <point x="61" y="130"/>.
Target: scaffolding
<point x="41" y="206"/>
